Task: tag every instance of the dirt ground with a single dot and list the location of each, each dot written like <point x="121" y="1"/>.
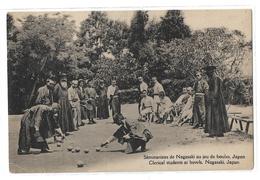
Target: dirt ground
<point x="167" y="139"/>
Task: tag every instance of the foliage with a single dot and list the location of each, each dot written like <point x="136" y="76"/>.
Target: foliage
<point x="104" y="49"/>
<point x="41" y="48"/>
<point x="172" y="26"/>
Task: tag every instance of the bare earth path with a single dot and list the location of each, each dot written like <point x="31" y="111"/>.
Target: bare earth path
<point x="167" y="140"/>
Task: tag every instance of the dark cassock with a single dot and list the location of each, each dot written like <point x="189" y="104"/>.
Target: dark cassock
<point x="82" y="98"/>
<point x="216" y="114"/>
<point x="102" y="102"/>
<point x="65" y="114"/>
<point x="38" y="123"/>
<point x="132" y="132"/>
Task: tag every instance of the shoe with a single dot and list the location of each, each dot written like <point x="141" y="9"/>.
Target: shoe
<point x="195" y="127"/>
<point x="220" y="135"/>
<point x="46" y="151"/>
<point x="21" y="152"/>
<point x="211" y="136"/>
<point x="143" y="148"/>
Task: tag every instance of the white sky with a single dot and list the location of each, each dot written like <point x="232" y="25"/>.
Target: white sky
<point x="197" y="19"/>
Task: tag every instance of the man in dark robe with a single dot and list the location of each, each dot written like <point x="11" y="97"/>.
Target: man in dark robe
<point x="60" y="96"/>
<point x="38" y="123"/>
<point x="82" y="97"/>
<point x="216" y="114"/>
<point x="102" y="103"/>
<point x="134" y="133"/>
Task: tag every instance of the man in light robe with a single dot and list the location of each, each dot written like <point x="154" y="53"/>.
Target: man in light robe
<point x="187" y="112"/>
<point x="142" y="87"/>
<point x="113" y="98"/>
<point x="146" y="105"/>
<point x="164" y="108"/>
<point x="157" y="88"/>
<point x="182" y="100"/>
<point x="74" y="100"/>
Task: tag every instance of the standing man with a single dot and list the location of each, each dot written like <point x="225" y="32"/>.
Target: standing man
<point x="45" y="93"/>
<point x="113" y="98"/>
<point x="216" y="118"/>
<point x="157" y="88"/>
<point x="61" y="97"/>
<point x="200" y="90"/>
<point x="75" y="104"/>
<point x="82" y="98"/>
<point x="142" y="87"/>
<point x="102" y="103"/>
<point x="91" y="95"/>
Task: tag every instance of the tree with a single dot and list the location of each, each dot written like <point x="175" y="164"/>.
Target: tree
<point x="42" y="45"/>
<point x="137" y="32"/>
<point x="172" y="26"/>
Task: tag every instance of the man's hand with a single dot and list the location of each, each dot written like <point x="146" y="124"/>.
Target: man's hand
<point x="104" y="144"/>
<point x="60" y="133"/>
<point x="126" y="136"/>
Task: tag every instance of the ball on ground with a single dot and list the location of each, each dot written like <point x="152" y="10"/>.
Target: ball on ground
<point x="80" y="164"/>
<point x="98" y="149"/>
<point x="86" y="151"/>
<point x="69" y="148"/>
<point x="77" y="149"/>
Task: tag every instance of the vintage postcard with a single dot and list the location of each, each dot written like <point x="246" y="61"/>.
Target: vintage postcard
<point x="130" y="90"/>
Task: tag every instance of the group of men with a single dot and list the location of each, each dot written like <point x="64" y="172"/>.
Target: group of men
<point x="59" y="110"/>
<point x="201" y="105"/>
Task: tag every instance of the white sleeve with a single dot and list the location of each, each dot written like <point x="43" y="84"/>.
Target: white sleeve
<point x="160" y="88"/>
<point x="108" y="92"/>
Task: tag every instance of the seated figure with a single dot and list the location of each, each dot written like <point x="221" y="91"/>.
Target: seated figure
<point x="146" y="108"/>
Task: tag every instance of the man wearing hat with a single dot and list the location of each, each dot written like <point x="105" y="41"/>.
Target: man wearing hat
<point x="200" y="89"/>
<point x="45" y="93"/>
<point x="75" y="104"/>
<point x="216" y="114"/>
<point x="60" y="96"/>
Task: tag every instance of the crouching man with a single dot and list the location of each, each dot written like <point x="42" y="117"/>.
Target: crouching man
<point x="131" y="132"/>
<point x="38" y="123"/>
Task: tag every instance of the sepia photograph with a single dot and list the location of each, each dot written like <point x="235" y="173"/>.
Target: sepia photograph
<point x="130" y="90"/>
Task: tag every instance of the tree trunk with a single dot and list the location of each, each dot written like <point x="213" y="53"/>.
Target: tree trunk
<point x="35" y="84"/>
